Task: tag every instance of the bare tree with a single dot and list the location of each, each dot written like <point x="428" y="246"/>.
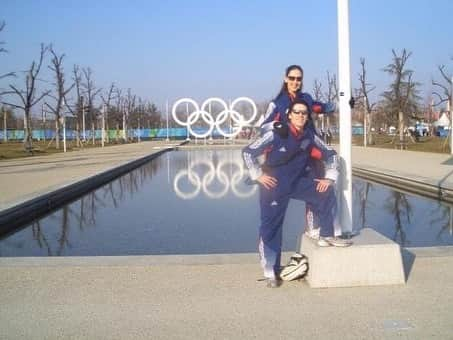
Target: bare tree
<point x="444" y="94"/>
<point x="4" y="111"/>
<point x="119" y="114"/>
<point x="136" y="115"/>
<point x="317" y="91"/>
<point x="401" y="99"/>
<point x="332" y="92"/>
<point x="332" y="88"/>
<point x="90" y="93"/>
<point x="61" y="92"/>
<point x="3" y="50"/>
<point x="77" y="110"/>
<point x="154" y="116"/>
<point x="364" y="98"/>
<point x="318" y="96"/>
<point x="107" y="99"/>
<point x="129" y="105"/>
<point x="28" y="97"/>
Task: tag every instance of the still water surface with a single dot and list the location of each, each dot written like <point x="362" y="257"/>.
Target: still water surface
<point x="196" y="202"/>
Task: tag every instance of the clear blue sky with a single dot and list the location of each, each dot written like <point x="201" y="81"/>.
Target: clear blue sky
<point x="202" y="48"/>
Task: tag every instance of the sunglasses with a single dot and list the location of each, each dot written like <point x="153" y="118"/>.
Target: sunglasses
<point x="294" y="78"/>
<point x="304" y="112"/>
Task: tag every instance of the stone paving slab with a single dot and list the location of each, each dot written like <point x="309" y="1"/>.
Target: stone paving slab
<point x="217" y="301"/>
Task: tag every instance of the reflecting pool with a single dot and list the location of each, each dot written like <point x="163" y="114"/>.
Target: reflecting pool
<point x="196" y="202"/>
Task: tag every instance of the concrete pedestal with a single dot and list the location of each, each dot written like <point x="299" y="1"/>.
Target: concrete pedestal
<point x="372" y="260"/>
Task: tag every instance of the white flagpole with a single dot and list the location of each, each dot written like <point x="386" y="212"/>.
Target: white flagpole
<point x="344" y="73"/>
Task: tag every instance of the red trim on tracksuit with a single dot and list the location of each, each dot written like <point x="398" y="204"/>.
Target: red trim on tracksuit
<point x="316" y="153"/>
<point x="296" y="133"/>
<point x="316" y="108"/>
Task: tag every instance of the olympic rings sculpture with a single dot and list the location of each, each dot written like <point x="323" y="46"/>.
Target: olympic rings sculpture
<point x="227" y="112"/>
<point x="228" y="174"/>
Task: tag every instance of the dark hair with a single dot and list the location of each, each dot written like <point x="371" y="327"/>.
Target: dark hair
<point x="284" y="88"/>
<point x="299" y="101"/>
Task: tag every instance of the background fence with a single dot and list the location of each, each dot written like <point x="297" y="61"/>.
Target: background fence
<point x="48" y="134"/>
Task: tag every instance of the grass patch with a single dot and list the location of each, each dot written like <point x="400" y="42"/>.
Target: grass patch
<point x="423" y="144"/>
<point x="10" y="150"/>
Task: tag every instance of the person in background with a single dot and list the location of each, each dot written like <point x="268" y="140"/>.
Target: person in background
<point x="329" y="136"/>
<point x="288" y="148"/>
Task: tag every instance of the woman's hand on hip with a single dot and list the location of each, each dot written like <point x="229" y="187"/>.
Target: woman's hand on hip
<point x="323" y="184"/>
<point x="267" y="181"/>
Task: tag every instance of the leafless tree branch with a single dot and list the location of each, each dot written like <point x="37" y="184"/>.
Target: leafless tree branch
<point x="3" y="50"/>
<point x="317" y="91"/>
<point x="57" y="68"/>
<point x="446" y="95"/>
<point x="28" y="96"/>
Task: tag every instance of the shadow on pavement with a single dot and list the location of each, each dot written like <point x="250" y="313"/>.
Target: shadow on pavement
<point x="408" y="262"/>
<point x="448" y="161"/>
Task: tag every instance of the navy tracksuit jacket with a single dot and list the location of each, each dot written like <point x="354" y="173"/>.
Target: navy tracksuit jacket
<point x="287" y="159"/>
<point x="276" y="111"/>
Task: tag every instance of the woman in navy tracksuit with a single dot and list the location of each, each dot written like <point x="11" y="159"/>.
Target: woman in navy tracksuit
<point x="291" y="89"/>
<point x="284" y="175"/>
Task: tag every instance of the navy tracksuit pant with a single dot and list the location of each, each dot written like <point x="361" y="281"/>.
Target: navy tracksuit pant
<point x="287" y="158"/>
<point x="273" y="206"/>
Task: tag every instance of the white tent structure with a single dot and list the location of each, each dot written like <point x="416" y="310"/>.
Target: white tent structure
<point x="442" y="121"/>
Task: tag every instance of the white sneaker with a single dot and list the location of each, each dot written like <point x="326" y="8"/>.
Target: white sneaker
<point x="323" y="242"/>
<point x="334" y="241"/>
<point x="312" y="233"/>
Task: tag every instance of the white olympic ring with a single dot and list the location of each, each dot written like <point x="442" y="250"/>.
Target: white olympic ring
<point x="193" y="179"/>
<point x="209" y="119"/>
<point x="228" y="174"/>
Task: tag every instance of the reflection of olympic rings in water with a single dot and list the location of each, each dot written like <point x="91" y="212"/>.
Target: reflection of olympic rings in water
<point x="209" y="119"/>
<point x="218" y="175"/>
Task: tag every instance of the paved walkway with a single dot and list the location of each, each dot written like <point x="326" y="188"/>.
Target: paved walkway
<point x="420" y="172"/>
<point x="210" y="296"/>
<point x="136" y="300"/>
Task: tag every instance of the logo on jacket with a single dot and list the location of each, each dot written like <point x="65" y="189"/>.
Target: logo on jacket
<point x="274" y="203"/>
<point x="282" y="149"/>
<point x="304" y="144"/>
